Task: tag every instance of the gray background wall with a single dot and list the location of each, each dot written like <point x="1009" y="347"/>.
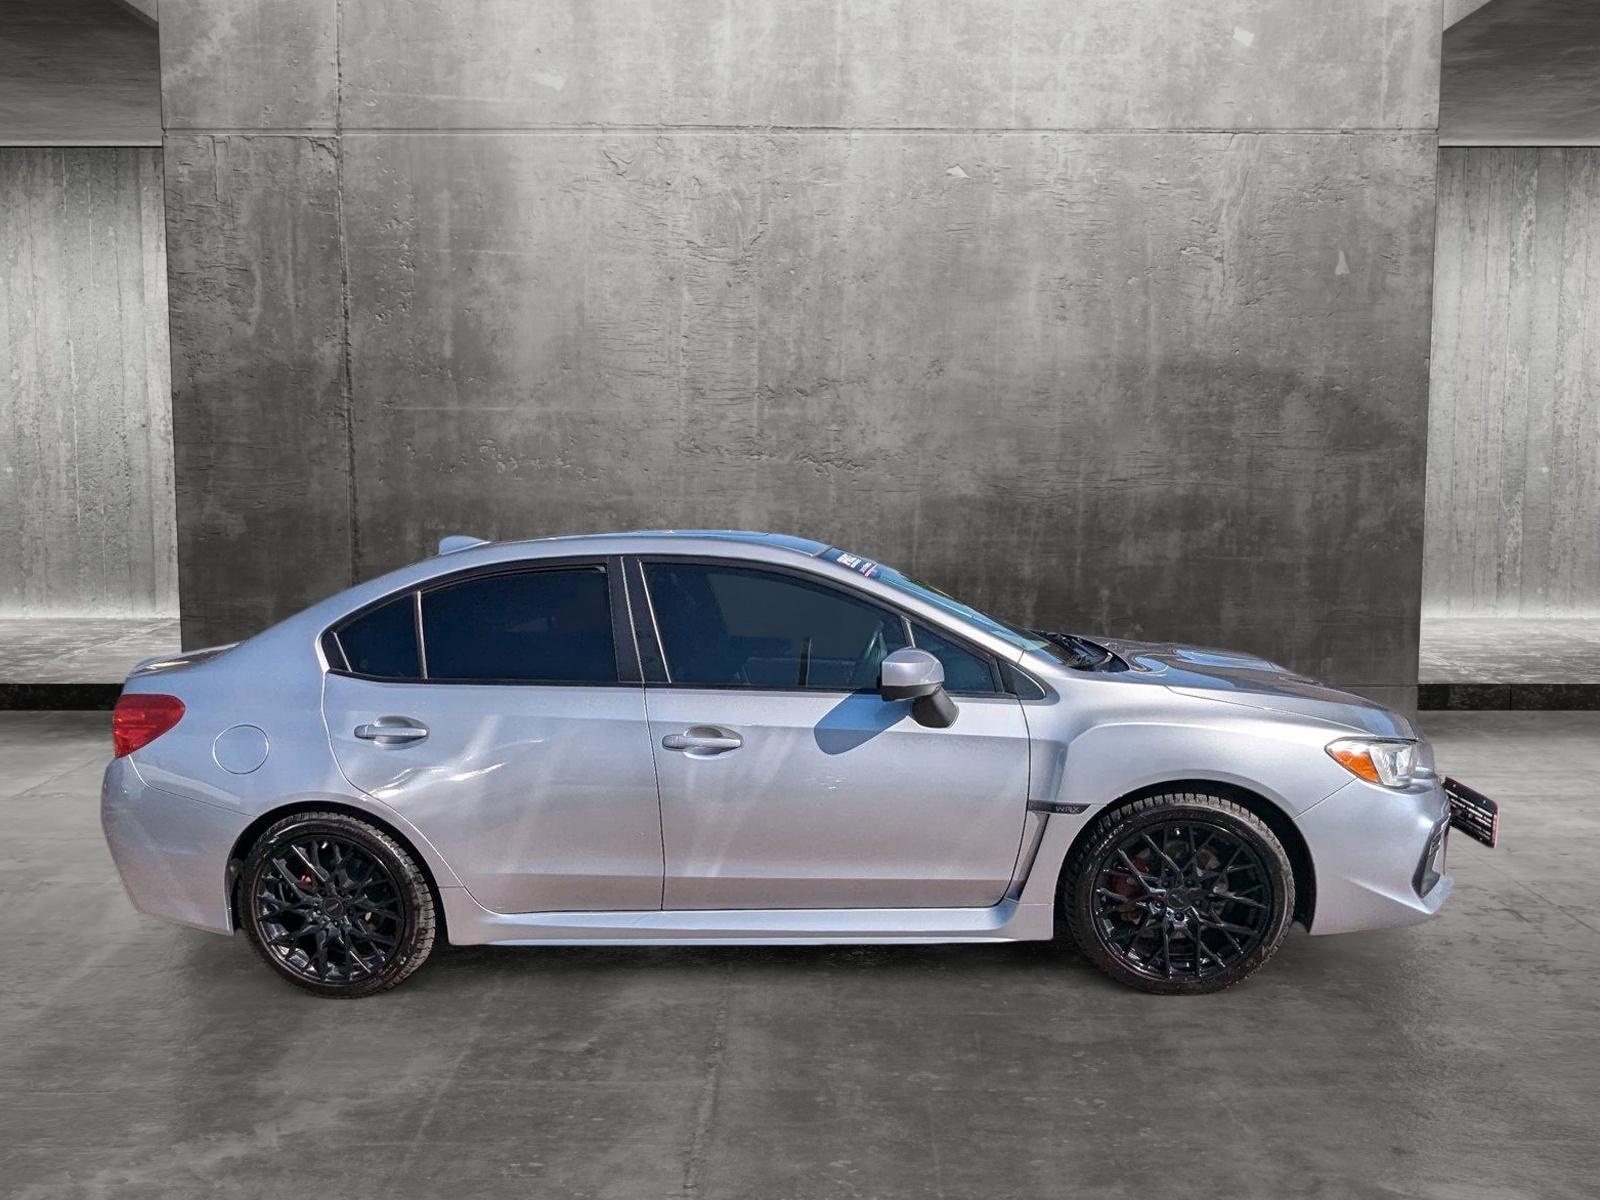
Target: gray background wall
<point x="85" y="437"/>
<point x="1111" y="315"/>
<point x="1514" y="444"/>
<point x="1456" y="10"/>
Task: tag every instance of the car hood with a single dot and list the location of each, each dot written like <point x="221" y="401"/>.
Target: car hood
<point x="1238" y="678"/>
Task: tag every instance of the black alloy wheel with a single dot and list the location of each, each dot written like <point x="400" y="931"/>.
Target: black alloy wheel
<point x="1179" y="893"/>
<point x="335" y="905"/>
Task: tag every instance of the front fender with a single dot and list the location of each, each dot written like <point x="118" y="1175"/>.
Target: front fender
<point x="1284" y="762"/>
<point x="1083" y="763"/>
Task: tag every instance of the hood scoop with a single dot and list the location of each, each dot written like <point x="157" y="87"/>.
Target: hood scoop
<point x="1225" y="660"/>
<point x="1255" y="682"/>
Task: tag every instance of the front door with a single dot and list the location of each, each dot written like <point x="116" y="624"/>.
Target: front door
<point x="504" y="735"/>
<point x="787" y="782"/>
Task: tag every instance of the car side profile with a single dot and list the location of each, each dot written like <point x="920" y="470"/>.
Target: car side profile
<point x="679" y="737"/>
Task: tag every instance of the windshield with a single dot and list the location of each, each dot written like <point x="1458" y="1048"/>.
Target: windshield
<point x="1022" y="639"/>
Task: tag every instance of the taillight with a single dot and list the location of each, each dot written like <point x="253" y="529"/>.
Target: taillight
<point x="141" y="717"/>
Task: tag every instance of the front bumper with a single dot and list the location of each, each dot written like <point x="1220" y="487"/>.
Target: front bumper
<point x="1378" y="856"/>
<point x="171" y="852"/>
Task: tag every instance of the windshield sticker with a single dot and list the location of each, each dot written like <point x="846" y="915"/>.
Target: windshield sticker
<point x="859" y="565"/>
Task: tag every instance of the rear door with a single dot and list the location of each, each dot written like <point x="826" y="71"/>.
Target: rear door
<point x="786" y="780"/>
<point x="501" y="713"/>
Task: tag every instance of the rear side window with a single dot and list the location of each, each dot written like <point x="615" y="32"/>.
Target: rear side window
<point x="964" y="671"/>
<point x="383" y="642"/>
<point x="526" y="627"/>
<point x="738" y="627"/>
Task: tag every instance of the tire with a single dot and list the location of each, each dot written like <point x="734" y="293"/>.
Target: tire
<point x="335" y="905"/>
<point x="1179" y="893"/>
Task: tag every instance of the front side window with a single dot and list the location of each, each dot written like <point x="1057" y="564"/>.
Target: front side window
<point x="728" y="626"/>
<point x="526" y="627"/>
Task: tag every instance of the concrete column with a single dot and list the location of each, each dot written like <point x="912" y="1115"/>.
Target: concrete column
<point x="86" y="515"/>
<point x="1514" y="453"/>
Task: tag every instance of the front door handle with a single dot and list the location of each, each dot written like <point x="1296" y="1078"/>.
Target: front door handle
<point x="703" y="740"/>
<point x="392" y="731"/>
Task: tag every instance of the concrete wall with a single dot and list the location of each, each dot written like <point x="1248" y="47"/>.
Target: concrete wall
<point x="147" y="9"/>
<point x="78" y="73"/>
<point x="1514" y="442"/>
<point x="1460" y="10"/>
<point x="1110" y="315"/>
<point x="86" y="512"/>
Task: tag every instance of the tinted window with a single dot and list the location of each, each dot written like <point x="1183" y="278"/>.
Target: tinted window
<point x="964" y="671"/>
<point x="733" y="625"/>
<point x="383" y="642"/>
<point x="531" y="626"/>
<point x="1023" y="639"/>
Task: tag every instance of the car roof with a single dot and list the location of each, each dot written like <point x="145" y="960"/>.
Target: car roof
<point x="778" y="541"/>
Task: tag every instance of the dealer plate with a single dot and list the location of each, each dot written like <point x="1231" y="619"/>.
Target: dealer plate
<point x="1473" y="813"/>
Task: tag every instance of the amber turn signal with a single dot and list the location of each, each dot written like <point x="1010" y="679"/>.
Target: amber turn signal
<point x="1386" y="761"/>
<point x="1355" y="759"/>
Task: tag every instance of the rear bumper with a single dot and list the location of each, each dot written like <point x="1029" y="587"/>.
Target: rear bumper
<point x="171" y="852"/>
<point x="1372" y="849"/>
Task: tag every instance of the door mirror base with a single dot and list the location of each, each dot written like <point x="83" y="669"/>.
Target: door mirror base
<point x="937" y="711"/>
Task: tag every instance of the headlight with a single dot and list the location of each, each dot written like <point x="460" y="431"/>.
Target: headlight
<point x="1390" y="763"/>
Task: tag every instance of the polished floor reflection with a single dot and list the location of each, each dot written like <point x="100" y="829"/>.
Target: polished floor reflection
<point x="139" y="1059"/>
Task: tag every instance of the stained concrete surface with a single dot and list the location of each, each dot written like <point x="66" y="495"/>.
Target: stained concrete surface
<point x="1450" y="1060"/>
<point x="1521" y="73"/>
<point x="1114" y="318"/>
<point x="78" y="73"/>
<point x="87" y="523"/>
<point x="1456" y="10"/>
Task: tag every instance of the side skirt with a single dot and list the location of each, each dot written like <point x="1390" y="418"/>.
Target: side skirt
<point x="1028" y="915"/>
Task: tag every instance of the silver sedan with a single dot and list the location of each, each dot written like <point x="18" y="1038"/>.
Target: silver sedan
<point x="665" y="738"/>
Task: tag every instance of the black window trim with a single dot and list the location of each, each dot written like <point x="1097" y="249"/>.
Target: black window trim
<point x="625" y="648"/>
<point x="650" y="647"/>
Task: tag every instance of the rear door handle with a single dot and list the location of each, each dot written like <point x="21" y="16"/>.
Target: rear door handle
<point x="392" y="731"/>
<point x="703" y="740"/>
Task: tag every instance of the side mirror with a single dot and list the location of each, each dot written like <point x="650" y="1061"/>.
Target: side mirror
<point x="918" y="676"/>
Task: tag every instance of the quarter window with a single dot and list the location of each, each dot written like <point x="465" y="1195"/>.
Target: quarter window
<point x="383" y="643"/>
<point x="964" y="671"/>
<point x="726" y="626"/>
<point x="526" y="627"/>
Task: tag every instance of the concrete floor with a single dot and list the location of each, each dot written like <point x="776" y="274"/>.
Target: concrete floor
<point x="81" y="649"/>
<point x="1509" y="650"/>
<point x="1457" y="1059"/>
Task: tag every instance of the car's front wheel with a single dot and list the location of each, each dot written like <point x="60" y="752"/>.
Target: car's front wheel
<point x="335" y="905"/>
<point x="1180" y="892"/>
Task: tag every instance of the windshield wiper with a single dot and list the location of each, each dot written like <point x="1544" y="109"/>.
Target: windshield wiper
<point x="1080" y="651"/>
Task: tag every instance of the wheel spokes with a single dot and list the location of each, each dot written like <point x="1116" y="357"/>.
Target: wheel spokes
<point x="1164" y="888"/>
<point x="329" y="910"/>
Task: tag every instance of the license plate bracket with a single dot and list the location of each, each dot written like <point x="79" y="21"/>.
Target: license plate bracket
<point x="1473" y="813"/>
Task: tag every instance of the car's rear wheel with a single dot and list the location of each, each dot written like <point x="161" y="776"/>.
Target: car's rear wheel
<point x="1181" y="892"/>
<point x="335" y="905"/>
